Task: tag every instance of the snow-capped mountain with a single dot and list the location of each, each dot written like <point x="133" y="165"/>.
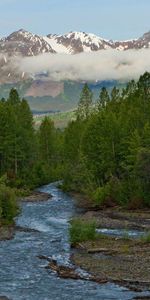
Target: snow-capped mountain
<point x="23" y="43"/>
<point x="140" y="43"/>
<point x="19" y="43"/>
<point x="76" y="42"/>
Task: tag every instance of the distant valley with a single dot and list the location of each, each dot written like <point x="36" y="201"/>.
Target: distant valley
<point x="57" y="96"/>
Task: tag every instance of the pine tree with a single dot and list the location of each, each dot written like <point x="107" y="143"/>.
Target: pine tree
<point x="85" y="103"/>
<point x="130" y="89"/>
<point x="115" y="94"/>
<point x="103" y="98"/>
<point x="144" y="86"/>
<point x="14" y="98"/>
<point x="46" y="140"/>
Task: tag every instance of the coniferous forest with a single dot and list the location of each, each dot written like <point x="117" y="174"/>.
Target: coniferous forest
<point x="107" y="149"/>
<point x="28" y="157"/>
<point x="104" y="154"/>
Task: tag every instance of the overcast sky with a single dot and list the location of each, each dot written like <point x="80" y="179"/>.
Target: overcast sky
<point x="111" y="19"/>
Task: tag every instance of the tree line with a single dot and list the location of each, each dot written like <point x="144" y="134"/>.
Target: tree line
<point x="28" y="157"/>
<point x="107" y="148"/>
<point x="103" y="154"/>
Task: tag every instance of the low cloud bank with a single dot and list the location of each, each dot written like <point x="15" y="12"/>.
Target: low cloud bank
<point x="100" y="65"/>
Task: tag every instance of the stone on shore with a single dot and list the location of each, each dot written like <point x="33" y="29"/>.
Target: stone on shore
<point x="37" y="196"/>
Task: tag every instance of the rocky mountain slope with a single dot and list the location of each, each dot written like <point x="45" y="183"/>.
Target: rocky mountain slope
<point x="76" y="42"/>
<point x="19" y="43"/>
<point x="25" y="44"/>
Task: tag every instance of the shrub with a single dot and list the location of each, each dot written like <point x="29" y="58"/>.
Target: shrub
<point x="119" y="191"/>
<point x="146" y="238"/>
<point x="8" y="203"/>
<point x="81" y="231"/>
<point x="101" y="194"/>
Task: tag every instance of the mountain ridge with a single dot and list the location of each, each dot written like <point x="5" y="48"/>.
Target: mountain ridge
<point x="28" y="44"/>
<point x="22" y="43"/>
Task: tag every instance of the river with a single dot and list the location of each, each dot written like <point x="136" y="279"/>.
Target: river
<point x="23" y="275"/>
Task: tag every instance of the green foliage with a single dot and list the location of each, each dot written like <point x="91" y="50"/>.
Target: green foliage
<point x="81" y="231"/>
<point x="107" y="152"/>
<point x="66" y="100"/>
<point x="144" y="86"/>
<point x="13" y="97"/>
<point x="103" y="98"/>
<point x="60" y="119"/>
<point x="104" y="153"/>
<point x="16" y="137"/>
<point x="46" y="139"/>
<point x="28" y="157"/>
<point x="101" y="194"/>
<point x="8" y="205"/>
<point x="115" y="95"/>
<point x="146" y="238"/>
<point x="85" y="103"/>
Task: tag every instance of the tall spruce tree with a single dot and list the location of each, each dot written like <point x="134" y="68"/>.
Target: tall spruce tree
<point x="103" y="98"/>
<point x="46" y="140"/>
<point x="85" y="103"/>
<point x="115" y="94"/>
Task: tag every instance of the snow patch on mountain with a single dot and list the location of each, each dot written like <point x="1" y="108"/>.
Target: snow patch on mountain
<point x="22" y="44"/>
<point x="77" y="42"/>
<point x="58" y="48"/>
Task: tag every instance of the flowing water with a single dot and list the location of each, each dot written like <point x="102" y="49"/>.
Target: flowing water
<point x="23" y="275"/>
<point x="121" y="232"/>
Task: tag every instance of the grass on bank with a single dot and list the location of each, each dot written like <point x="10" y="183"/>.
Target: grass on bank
<point x="146" y="238"/>
<point x="81" y="231"/>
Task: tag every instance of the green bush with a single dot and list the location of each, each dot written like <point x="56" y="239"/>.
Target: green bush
<point x="8" y="206"/>
<point x="146" y="238"/>
<point x="81" y="231"/>
<point x="100" y="195"/>
<point x="117" y="190"/>
<point x="127" y="193"/>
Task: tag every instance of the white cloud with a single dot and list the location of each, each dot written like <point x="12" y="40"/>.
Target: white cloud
<point x="101" y="65"/>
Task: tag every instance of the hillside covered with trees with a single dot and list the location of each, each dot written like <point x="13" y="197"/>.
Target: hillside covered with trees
<point x="107" y="149"/>
<point x="103" y="154"/>
<point x="28" y="158"/>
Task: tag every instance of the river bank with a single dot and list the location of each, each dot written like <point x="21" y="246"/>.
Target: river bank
<point x="119" y="218"/>
<point x="120" y="253"/>
<point x="43" y="231"/>
<point x="36" y="196"/>
<point x="7" y="231"/>
<point x="117" y="260"/>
